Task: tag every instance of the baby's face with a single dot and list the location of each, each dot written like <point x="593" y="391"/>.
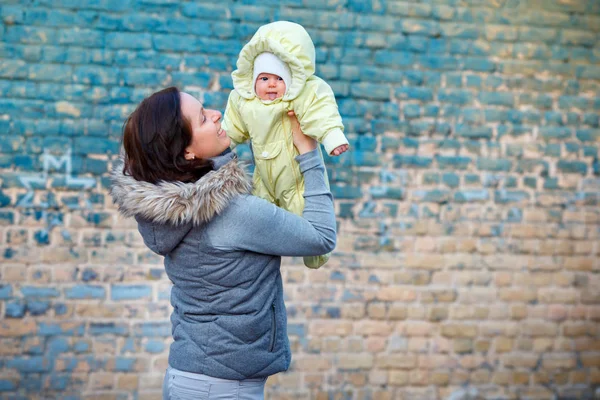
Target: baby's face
<point x="269" y="86"/>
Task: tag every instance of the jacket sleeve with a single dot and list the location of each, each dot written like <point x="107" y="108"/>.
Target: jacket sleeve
<point x="232" y="121"/>
<point x="268" y="229"/>
<point x="319" y="116"/>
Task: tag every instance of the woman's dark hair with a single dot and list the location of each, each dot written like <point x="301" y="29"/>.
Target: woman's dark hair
<point x="155" y="137"/>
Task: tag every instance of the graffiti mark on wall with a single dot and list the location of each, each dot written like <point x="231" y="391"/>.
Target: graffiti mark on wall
<point x="44" y="204"/>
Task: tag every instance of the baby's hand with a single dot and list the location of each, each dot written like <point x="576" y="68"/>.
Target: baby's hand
<point x="339" y="150"/>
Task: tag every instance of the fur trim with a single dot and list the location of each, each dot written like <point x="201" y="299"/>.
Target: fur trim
<point x="177" y="202"/>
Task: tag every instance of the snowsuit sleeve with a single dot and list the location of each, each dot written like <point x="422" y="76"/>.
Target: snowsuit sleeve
<point x="232" y="121"/>
<point x="318" y="115"/>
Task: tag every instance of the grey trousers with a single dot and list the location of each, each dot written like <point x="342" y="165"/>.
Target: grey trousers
<point x="181" y="385"/>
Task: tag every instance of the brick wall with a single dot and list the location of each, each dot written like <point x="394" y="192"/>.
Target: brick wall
<point x="468" y="258"/>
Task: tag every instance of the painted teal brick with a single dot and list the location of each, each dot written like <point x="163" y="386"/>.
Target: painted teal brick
<point x="431" y="178"/>
<point x="30" y="35"/>
<point x="108" y="328"/>
<point x="568" y="102"/>
<point x="411" y="111"/>
<point x="15" y="309"/>
<point x="346" y="192"/>
<point x="590" y="151"/>
<point x="379" y="192"/>
<point x="588" y="135"/>
<point x="530" y="182"/>
<point x="497" y="98"/>
<point x="130" y="292"/>
<point x="553" y="149"/>
<point x="461" y="97"/>
<point x="510" y="196"/>
<point x="423" y="27"/>
<point x="572" y="147"/>
<point x="152" y="329"/>
<point x="370" y="91"/>
<point x="550" y="132"/>
<point x="451" y="180"/>
<point x="393" y="58"/>
<point x="54" y="329"/>
<point x="30" y="365"/>
<point x="431" y="196"/>
<point x="573" y="167"/>
<point x="85" y="292"/>
<point x="453" y="162"/>
<point x="414" y="93"/>
<point x="7" y="385"/>
<point x="154" y="346"/>
<point x="96" y="75"/>
<point x="5" y="291"/>
<point x="414" y="161"/>
<point x="493" y="164"/>
<point x="37" y="307"/>
<point x="532" y="165"/>
<point x="39" y="292"/>
<point x="474" y="132"/>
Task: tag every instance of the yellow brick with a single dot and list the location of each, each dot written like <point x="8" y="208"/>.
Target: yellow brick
<point x="501" y="377"/>
<point x="419" y="329"/>
<point x="559" y="361"/>
<point x="10" y="346"/>
<point x="579" y="263"/>
<point x="330" y="328"/>
<point x="480" y="376"/>
<point x="353" y="311"/>
<point x="375" y="344"/>
<point x="398" y="378"/>
<point x="128" y="382"/>
<point x="590" y="359"/>
<point x="424" y="261"/>
<point x="572" y="329"/>
<point x="503" y="344"/>
<point x="499" y="328"/>
<point x="396" y="293"/>
<point x="376" y="310"/>
<point x="14" y="273"/>
<point x="459" y="330"/>
<point x="439" y="378"/>
<point x="396" y="361"/>
<point x="355" y="361"/>
<point x="102" y="381"/>
<point x="542" y="344"/>
<point x="311" y="363"/>
<point x="418" y="378"/>
<point x="17" y="327"/>
<point x="369" y="328"/>
<point x="378" y="377"/>
<point x="537" y="329"/>
<point x="518" y="360"/>
<point x="463" y="345"/>
<point x="397" y="312"/>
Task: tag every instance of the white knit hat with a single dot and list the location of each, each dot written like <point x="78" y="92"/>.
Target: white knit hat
<point x="271" y="64"/>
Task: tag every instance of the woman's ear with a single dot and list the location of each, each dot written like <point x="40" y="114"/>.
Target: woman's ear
<point x="189" y="155"/>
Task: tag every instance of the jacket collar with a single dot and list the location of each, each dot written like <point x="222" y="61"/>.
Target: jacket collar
<point x="177" y="202"/>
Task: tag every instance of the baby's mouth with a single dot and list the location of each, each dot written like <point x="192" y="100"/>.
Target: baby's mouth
<point x="272" y="95"/>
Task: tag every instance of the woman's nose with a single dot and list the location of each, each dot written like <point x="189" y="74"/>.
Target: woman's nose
<point x="216" y="115"/>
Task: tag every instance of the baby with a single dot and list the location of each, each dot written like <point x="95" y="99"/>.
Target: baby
<point x="275" y="74"/>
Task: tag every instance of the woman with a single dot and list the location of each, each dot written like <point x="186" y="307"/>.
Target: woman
<point x="222" y="246"/>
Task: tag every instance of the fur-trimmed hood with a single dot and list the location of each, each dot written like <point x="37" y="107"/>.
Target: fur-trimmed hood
<point x="166" y="211"/>
<point x="178" y="203"/>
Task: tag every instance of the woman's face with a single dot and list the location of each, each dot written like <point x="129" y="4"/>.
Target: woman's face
<point x="208" y="139"/>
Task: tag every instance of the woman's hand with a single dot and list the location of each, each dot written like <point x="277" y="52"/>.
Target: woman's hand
<point x="303" y="143"/>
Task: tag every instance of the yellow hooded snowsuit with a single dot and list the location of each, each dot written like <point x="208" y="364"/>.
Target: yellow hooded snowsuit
<point x="277" y="176"/>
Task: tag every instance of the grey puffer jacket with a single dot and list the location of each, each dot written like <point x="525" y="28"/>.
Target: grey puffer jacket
<point x="223" y="249"/>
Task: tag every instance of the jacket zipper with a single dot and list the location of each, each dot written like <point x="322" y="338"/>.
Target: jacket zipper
<point x="273" y="328"/>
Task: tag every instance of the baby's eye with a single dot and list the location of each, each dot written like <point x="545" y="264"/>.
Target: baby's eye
<point x="264" y="78"/>
<point x="280" y="78"/>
